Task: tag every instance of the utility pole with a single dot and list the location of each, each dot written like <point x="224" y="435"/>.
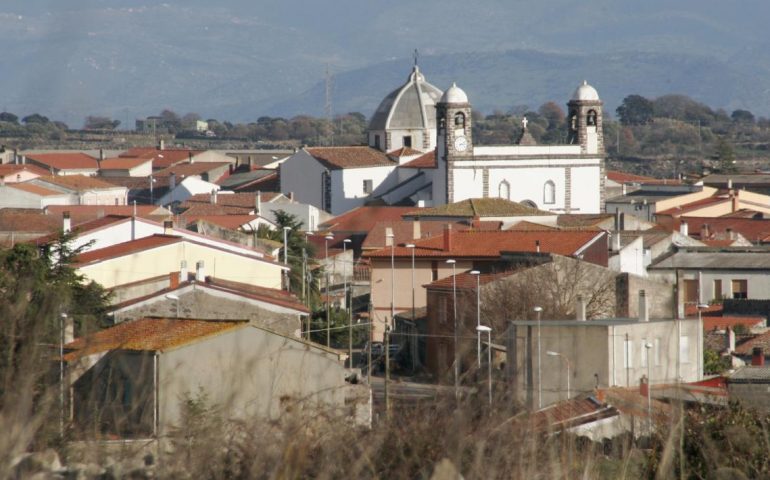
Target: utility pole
<point x="387" y="371"/>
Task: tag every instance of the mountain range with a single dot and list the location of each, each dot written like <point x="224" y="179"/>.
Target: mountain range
<point x="238" y="60"/>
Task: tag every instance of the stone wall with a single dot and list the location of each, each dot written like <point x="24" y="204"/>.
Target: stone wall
<point x="660" y="296"/>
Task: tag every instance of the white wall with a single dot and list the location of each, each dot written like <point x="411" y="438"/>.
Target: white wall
<point x="302" y="175"/>
<point x="348" y="186"/>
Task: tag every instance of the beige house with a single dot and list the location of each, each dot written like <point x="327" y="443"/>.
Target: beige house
<point x="158" y="255"/>
<point x="132" y="380"/>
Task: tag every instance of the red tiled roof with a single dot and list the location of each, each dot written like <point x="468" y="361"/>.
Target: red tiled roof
<point x="122" y="163"/>
<point x="28" y="221"/>
<point x="363" y="219"/>
<point x="77" y="182"/>
<point x="696" y="205"/>
<point x="82" y="227"/>
<point x="350" y="157"/>
<point x="753" y="230"/>
<point x="403" y="230"/>
<point x="480" y="207"/>
<point x="761" y="341"/>
<point x="246" y="200"/>
<point x="83" y="213"/>
<point x="230" y="222"/>
<point x="466" y="281"/>
<point x="36" y="189"/>
<point x="269" y="295"/>
<point x="530" y="226"/>
<point x="65" y="161"/>
<point x="426" y="161"/>
<point x="623" y="177"/>
<point x="721" y="323"/>
<point x="197" y="210"/>
<point x="126" y="248"/>
<point x="9" y="169"/>
<point x="691" y="310"/>
<point x="148" y="334"/>
<point x="404" y="152"/>
<point x="490" y="244"/>
<point x="161" y="158"/>
<point x="568" y="413"/>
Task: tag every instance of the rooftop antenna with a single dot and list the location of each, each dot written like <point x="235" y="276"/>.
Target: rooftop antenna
<point x="416" y="56"/>
<point x="328" y="103"/>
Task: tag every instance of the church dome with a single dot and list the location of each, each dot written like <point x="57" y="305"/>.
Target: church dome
<point x="585" y="92"/>
<point x="411" y="106"/>
<point x="454" y="94"/>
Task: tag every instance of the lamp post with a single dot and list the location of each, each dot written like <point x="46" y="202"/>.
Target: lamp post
<point x="413" y="340"/>
<point x="392" y="239"/>
<point x="566" y="360"/>
<point x="328" y="309"/>
<point x="345" y="298"/>
<point x="539" y="311"/>
<point x="62" y="321"/>
<point x="175" y="298"/>
<point x="481" y="329"/>
<point x="286" y="254"/>
<point x="454" y="315"/>
<point x="477" y="274"/>
<point x="649" y="346"/>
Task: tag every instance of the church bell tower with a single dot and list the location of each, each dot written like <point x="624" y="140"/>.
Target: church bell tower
<point x="584" y="120"/>
<point x="454" y="139"/>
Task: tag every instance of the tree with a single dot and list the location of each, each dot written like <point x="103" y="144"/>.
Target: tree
<point x="100" y="123"/>
<point x="742" y="116"/>
<point x="725" y="155"/>
<point x="635" y="110"/>
<point x="35" y="118"/>
<point x="9" y="117"/>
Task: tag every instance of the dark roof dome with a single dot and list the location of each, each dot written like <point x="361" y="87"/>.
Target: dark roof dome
<point x="411" y="106"/>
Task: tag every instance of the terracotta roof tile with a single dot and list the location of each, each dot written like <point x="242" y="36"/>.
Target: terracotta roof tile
<point x="582" y="219"/>
<point x="148" y="334"/>
<point x="83" y="213"/>
<point x="623" y="177"/>
<point x="425" y="161"/>
<point x="350" y="157"/>
<point x="36" y="189"/>
<point x="122" y="163"/>
<point x="243" y="200"/>
<point x="363" y="219"/>
<point x="491" y="244"/>
<point x="28" y="221"/>
<point x="403" y="230"/>
<point x="65" y="161"/>
<point x="466" y="280"/>
<point x="480" y="207"/>
<point x="230" y="222"/>
<point x="761" y="341"/>
<point x="752" y="229"/>
<point x="721" y="323"/>
<point x="404" y="152"/>
<point x="11" y="169"/>
<point x="197" y="210"/>
<point x="197" y="168"/>
<point x="126" y="248"/>
<point x="76" y="182"/>
<point x="270" y="295"/>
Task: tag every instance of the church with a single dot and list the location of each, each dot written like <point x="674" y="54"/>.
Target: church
<point x="421" y="152"/>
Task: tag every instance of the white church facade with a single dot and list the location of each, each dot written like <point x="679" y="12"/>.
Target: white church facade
<point x="421" y="152"/>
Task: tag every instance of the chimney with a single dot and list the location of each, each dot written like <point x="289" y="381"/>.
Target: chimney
<point x="644" y="385"/>
<point x="190" y="157"/>
<point x="616" y="242"/>
<point x="200" y="272"/>
<point x="23" y="160"/>
<point x="291" y="196"/>
<point x="580" y="309"/>
<point x="389" y="236"/>
<point x="622" y="221"/>
<point x="416" y="231"/>
<point x="171" y="181"/>
<point x="729" y="183"/>
<point x="730" y="334"/>
<point x="101" y="154"/>
<point x="644" y="312"/>
<point x="173" y="280"/>
<point x="684" y="229"/>
<point x="183" y="271"/>
<point x="625" y="190"/>
<point x="168" y="227"/>
<point x="617" y="220"/>
<point x="757" y="357"/>
<point x="66" y="222"/>
<point x="214" y="196"/>
<point x="537" y="246"/>
<point x="704" y="231"/>
<point x="258" y="203"/>
<point x="735" y="203"/>
<point x="447" y="237"/>
<point x="161" y="144"/>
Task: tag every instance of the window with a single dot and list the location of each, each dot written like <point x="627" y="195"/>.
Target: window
<point x="504" y="190"/>
<point x="684" y="349"/>
<point x="591" y="118"/>
<point x="367" y="187"/>
<point x="408" y="141"/>
<point x="717" y="289"/>
<point x="628" y="354"/>
<point x="691" y="291"/>
<point x="460" y="120"/>
<point x="377" y="142"/>
<point x="643" y="353"/>
<point x="740" y="289"/>
<point x="549" y="192"/>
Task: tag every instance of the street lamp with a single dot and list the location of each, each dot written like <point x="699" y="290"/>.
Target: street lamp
<point x="481" y="329"/>
<point x="566" y="360"/>
<point x="328" y="309"/>
<point x="345" y="300"/>
<point x="454" y="314"/>
<point x="175" y="298"/>
<point x="649" y="346"/>
<point x="286" y="254"/>
<point x="62" y="321"/>
<point x="413" y="341"/>
<point x="392" y="239"/>
<point x="539" y="311"/>
<point x="478" y="316"/>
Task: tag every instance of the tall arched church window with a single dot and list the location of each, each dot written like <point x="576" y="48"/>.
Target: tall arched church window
<point x="549" y="192"/>
<point x="504" y="190"/>
<point x="460" y="120"/>
<point x="591" y="118"/>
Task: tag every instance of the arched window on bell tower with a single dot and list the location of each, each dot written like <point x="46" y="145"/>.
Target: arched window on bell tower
<point x="549" y="192"/>
<point x="504" y="190"/>
<point x="591" y="118"/>
<point x="459" y="120"/>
